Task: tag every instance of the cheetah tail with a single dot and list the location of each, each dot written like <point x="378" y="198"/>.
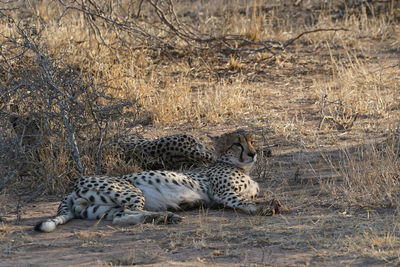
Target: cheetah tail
<point x="51" y="224"/>
<point x="64" y="214"/>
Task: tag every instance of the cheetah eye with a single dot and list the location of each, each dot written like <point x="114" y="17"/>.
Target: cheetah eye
<point x="238" y="145"/>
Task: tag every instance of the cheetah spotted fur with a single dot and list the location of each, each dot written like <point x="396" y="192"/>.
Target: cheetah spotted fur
<point x="179" y="151"/>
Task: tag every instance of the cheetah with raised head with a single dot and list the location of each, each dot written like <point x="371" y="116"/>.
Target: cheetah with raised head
<point x="146" y="196"/>
<point x="179" y="151"/>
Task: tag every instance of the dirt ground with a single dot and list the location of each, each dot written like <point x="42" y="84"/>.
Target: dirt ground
<point x="311" y="230"/>
<point x="204" y="238"/>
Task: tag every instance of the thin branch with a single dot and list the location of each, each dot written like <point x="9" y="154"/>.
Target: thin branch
<point x="71" y="133"/>
<point x="139" y="9"/>
<point x="100" y="147"/>
<point x="41" y="188"/>
<point x="43" y="62"/>
<point x="7" y="179"/>
<point x="98" y="31"/>
<point x="291" y="41"/>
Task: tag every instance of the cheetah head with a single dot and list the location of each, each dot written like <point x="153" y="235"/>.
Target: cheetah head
<point x="235" y="148"/>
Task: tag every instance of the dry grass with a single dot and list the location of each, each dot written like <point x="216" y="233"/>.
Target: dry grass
<point x="380" y="242"/>
<point x="327" y="105"/>
<point x="369" y="176"/>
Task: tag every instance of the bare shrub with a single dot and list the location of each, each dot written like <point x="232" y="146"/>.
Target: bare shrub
<point x="55" y="120"/>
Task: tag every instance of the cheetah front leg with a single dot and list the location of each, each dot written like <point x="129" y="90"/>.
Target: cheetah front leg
<point x="128" y="217"/>
<point x="235" y="201"/>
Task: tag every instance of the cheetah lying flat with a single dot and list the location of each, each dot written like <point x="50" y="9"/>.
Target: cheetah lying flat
<point x="179" y="151"/>
<point x="146" y="196"/>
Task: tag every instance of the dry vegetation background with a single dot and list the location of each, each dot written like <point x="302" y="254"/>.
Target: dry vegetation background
<point x="318" y="81"/>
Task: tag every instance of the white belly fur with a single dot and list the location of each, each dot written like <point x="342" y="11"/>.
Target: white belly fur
<point x="162" y="196"/>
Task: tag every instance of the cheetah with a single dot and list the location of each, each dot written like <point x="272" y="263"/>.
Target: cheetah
<point x="179" y="151"/>
<point x="151" y="196"/>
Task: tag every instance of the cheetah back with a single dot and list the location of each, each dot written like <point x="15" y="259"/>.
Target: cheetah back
<point x="180" y="151"/>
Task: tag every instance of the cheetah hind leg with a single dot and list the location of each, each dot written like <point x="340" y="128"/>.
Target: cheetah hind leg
<point x="80" y="205"/>
<point x="129" y="217"/>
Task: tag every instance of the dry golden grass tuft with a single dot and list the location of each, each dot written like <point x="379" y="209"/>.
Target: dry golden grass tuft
<point x="369" y="176"/>
<point x="382" y="244"/>
<point x="365" y="89"/>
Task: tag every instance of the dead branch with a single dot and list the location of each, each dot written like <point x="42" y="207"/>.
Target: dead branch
<point x="291" y="41"/>
<point x="165" y="11"/>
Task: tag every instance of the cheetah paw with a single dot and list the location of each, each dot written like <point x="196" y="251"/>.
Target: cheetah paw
<point x="168" y="218"/>
<point x="269" y="208"/>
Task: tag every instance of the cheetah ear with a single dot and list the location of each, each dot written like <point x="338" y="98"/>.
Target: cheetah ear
<point x="212" y="137"/>
<point x="250" y="136"/>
